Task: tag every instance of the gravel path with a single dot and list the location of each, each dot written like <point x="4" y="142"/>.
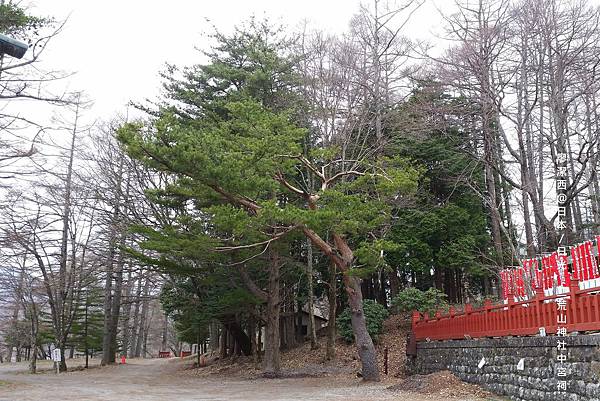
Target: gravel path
<point x="158" y="380"/>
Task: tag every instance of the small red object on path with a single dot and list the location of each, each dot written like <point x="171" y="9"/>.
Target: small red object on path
<point x="122" y="359"/>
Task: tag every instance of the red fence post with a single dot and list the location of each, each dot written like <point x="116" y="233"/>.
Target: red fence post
<point x="468" y="319"/>
<point x="487" y="317"/>
<point x="574" y="301"/>
<point x="539" y="305"/>
<point x="452" y="329"/>
<point x="416" y="317"/>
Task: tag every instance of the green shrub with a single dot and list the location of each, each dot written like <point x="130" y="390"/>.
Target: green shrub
<point x="375" y="315"/>
<point x="412" y="298"/>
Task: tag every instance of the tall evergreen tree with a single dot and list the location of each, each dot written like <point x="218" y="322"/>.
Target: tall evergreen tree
<point x="232" y="140"/>
<point x="446" y="230"/>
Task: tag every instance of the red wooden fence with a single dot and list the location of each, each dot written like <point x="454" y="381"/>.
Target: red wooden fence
<point x="513" y="319"/>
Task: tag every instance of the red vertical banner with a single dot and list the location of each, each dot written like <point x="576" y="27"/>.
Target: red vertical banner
<point x="586" y="261"/>
<point x="591" y="261"/>
<point x="513" y="281"/>
<point x="504" y="281"/>
<point x="563" y="269"/>
<point x="554" y="269"/>
<point x="538" y="273"/>
<point x="575" y="263"/>
<point x="550" y="272"/>
<point x="596" y="258"/>
<point x="520" y="282"/>
<point x="515" y="273"/>
<point x="546" y="272"/>
<point x="508" y="284"/>
<point x="583" y="269"/>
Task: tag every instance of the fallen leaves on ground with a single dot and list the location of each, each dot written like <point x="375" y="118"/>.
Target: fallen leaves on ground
<point x="440" y="383"/>
<point x="302" y="361"/>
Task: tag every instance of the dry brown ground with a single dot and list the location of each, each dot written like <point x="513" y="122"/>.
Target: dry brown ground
<point x="304" y="363"/>
<point x="306" y="377"/>
<point x="160" y="380"/>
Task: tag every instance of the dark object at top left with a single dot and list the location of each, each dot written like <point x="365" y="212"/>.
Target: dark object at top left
<point x="12" y="47"/>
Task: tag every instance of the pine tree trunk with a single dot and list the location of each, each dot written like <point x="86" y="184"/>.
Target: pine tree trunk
<point x="311" y="294"/>
<point x="120" y="265"/>
<point x="364" y="343"/>
<point x="136" y="317"/>
<point x="106" y="338"/>
<point x="112" y="298"/>
<point x="381" y="288"/>
<point x="438" y="278"/>
<point x="272" y="363"/>
<point x="214" y="336"/>
<point x="238" y="337"/>
<point x="394" y="282"/>
<point x="259" y="342"/>
<point x="116" y="308"/>
<point x="252" y="335"/>
<point x="142" y="323"/>
<point x="298" y="321"/>
<point x="145" y="345"/>
<point x="362" y="339"/>
<point x="165" y="334"/>
<point x="343" y="257"/>
<point x="125" y="325"/>
<point x="332" y="298"/>
<point x="291" y="329"/>
<point x="223" y="343"/>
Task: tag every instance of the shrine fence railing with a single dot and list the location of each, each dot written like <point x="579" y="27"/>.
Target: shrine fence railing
<point x="514" y="318"/>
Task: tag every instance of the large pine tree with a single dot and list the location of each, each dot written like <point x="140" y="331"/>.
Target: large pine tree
<point x="231" y="136"/>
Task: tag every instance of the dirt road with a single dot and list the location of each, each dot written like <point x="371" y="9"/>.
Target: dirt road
<point x="160" y="380"/>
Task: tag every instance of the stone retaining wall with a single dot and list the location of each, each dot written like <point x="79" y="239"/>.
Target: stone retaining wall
<point x="536" y="382"/>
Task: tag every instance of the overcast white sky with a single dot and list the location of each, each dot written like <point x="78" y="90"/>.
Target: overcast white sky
<point x="117" y="47"/>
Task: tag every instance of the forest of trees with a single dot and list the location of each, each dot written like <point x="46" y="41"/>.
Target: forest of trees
<point x="293" y="167"/>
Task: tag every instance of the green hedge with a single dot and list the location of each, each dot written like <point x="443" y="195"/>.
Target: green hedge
<point x="375" y="315"/>
<point x="424" y="301"/>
